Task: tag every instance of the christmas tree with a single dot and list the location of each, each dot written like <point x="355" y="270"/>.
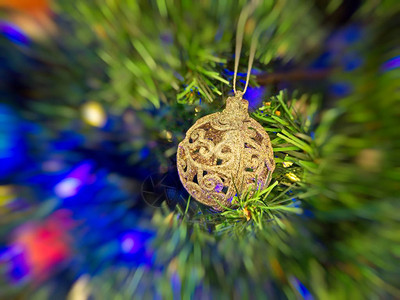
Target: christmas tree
<point x="97" y="95"/>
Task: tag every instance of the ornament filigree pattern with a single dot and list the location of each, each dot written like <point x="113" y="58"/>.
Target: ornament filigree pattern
<point x="223" y="152"/>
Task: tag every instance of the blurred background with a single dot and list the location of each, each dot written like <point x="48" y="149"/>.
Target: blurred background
<point x="95" y="96"/>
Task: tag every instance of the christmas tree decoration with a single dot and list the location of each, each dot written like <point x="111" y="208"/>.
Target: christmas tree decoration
<point x="45" y="244"/>
<point x="93" y="114"/>
<point x="225" y="153"/>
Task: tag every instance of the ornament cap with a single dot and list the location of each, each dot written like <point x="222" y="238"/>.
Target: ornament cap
<point x="237" y="107"/>
<point x="239" y="94"/>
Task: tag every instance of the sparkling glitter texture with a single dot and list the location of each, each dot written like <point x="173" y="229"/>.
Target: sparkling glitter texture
<point x="224" y="150"/>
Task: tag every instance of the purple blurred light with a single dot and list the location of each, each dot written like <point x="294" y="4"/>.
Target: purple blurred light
<point x="131" y="242"/>
<point x="255" y="96"/>
<point x="391" y="64"/>
<point x="13" y="33"/>
<point x="133" y="247"/>
<point x="16" y="262"/>
<point x="67" y="187"/>
<point x="301" y="289"/>
<point x="73" y="182"/>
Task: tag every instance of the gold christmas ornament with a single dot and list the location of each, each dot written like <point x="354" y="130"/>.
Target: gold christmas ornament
<point x="224" y="151"/>
<point x="227" y="152"/>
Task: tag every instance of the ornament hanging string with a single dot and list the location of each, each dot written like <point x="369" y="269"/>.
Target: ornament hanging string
<point x="239" y="41"/>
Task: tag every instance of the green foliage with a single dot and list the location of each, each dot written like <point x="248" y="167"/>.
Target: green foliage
<point x="181" y="57"/>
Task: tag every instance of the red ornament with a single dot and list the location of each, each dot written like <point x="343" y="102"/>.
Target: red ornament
<point x="45" y="244"/>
